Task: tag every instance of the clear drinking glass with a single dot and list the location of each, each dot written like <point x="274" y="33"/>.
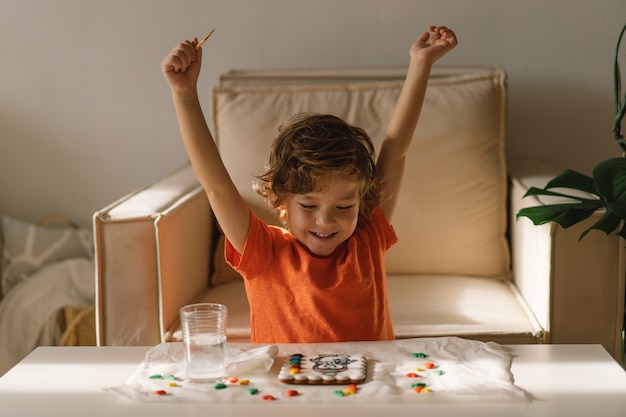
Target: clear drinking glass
<point x="204" y="337"/>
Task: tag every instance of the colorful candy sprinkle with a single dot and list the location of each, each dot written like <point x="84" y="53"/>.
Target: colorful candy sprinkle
<point x="419" y="355"/>
<point x="172" y="384"/>
<point x="429" y="365"/>
<point x="233" y="379"/>
<point x="252" y="391"/>
<point x="338" y="393"/>
<point x="268" y="398"/>
<point x="160" y="392"/>
<point x="156" y="376"/>
<point x="171" y="378"/>
<point x="220" y="386"/>
<point x="292" y="393"/>
<point x="244" y="381"/>
<point x="411" y="375"/>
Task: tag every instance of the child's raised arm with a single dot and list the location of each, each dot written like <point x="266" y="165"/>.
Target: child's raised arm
<point x="181" y="69"/>
<point x="424" y="52"/>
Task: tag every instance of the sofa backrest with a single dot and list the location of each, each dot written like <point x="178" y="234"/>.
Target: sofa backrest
<point x="452" y="214"/>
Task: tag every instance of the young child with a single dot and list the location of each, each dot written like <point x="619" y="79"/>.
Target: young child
<point x="322" y="278"/>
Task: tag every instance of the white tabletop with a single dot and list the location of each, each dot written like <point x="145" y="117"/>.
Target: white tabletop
<point x="564" y="380"/>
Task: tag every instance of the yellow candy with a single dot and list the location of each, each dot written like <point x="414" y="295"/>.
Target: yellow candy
<point x="171" y="384"/>
<point x="244" y="382"/>
<point x="294" y="371"/>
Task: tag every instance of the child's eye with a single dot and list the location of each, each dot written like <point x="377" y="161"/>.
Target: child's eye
<point x="345" y="208"/>
<point x="307" y="206"/>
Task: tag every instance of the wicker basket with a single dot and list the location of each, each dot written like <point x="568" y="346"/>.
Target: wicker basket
<point x="78" y="326"/>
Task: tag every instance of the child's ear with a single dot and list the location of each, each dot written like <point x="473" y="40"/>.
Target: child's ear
<point x="281" y="211"/>
<point x="282" y="215"/>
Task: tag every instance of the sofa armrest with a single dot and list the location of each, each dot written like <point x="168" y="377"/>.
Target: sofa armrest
<point x="153" y="252"/>
<point x="574" y="288"/>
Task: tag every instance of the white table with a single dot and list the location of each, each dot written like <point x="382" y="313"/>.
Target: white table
<point x="565" y="380"/>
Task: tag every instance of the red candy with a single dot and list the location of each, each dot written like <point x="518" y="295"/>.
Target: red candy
<point x="268" y="397"/>
<point x="429" y="365"/>
<point x="160" y="392"/>
<point x="411" y="375"/>
<point x="292" y="393"/>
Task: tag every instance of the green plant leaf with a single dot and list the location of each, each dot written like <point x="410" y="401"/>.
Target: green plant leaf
<point x="608" y="223"/>
<point x="574" y="180"/>
<point x="565" y="215"/>
<point x="540" y="191"/>
<point x="610" y="181"/>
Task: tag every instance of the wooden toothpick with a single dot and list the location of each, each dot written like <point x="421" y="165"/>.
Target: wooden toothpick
<point x="205" y="39"/>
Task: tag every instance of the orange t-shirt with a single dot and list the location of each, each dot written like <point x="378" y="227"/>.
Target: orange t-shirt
<point x="296" y="297"/>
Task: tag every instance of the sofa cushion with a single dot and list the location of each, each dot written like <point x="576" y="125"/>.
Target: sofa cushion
<point x="421" y="306"/>
<point x="433" y="306"/>
<point x="451" y="218"/>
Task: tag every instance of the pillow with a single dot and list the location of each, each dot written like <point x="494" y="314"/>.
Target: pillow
<point x="27" y="247"/>
<point x="451" y="217"/>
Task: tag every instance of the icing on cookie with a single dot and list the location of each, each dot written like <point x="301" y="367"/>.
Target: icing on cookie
<point x="323" y="369"/>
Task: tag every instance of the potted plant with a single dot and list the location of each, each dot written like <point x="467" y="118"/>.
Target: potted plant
<point x="605" y="190"/>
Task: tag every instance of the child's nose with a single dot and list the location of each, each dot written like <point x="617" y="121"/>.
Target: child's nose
<point x="325" y="218"/>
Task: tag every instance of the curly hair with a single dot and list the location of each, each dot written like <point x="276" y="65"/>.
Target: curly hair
<point x="310" y="150"/>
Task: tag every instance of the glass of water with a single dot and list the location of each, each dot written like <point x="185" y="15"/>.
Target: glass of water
<point x="204" y="336"/>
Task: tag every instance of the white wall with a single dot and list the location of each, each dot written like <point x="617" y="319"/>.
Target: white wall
<point x="85" y="115"/>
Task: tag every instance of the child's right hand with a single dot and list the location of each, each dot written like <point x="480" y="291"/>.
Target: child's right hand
<point x="181" y="66"/>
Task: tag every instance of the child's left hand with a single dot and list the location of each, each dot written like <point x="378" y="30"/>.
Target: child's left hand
<point x="429" y="48"/>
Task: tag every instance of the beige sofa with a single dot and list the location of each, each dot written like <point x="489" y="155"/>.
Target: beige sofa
<point x="463" y="265"/>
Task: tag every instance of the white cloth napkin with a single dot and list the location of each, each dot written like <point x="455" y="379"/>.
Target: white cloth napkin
<point x="167" y="360"/>
<point x="463" y="369"/>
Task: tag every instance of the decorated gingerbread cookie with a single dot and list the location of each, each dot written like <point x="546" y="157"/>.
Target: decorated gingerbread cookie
<point x="330" y="368"/>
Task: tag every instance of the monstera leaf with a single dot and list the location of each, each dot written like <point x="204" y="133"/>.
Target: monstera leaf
<point x="607" y="191"/>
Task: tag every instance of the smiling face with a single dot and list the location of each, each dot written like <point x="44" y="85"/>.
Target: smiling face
<point x="322" y="220"/>
<point x="311" y="149"/>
